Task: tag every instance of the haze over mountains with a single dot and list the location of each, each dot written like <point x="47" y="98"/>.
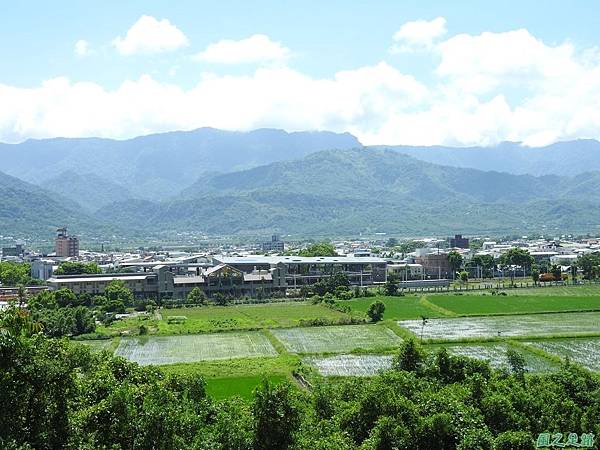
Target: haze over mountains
<point x="305" y="183"/>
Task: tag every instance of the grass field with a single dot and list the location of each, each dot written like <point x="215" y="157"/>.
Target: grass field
<point x="100" y="344"/>
<point x="188" y="348"/>
<point x="567" y="324"/>
<point x="336" y="339"/>
<point x="220" y="388"/>
<point x="208" y="319"/>
<point x="349" y="365"/>
<point x="517" y="303"/>
<point x="396" y="308"/>
<point x="584" y="351"/>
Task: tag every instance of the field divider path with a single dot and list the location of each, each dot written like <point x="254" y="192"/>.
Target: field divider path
<point x="276" y="343"/>
<point x="432" y="306"/>
<point x="536" y="351"/>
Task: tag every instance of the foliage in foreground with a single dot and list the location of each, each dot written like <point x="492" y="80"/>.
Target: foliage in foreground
<point x="59" y="395"/>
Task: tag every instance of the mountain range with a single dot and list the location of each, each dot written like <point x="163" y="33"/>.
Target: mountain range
<point x="317" y="183"/>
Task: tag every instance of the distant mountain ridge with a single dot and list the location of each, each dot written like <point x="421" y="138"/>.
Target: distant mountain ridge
<point x="160" y="165"/>
<point x="560" y="158"/>
<point x="353" y="191"/>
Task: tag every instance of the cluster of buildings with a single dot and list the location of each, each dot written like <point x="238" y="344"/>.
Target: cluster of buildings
<point x="264" y="269"/>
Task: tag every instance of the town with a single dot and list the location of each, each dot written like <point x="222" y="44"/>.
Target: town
<point x="276" y="269"/>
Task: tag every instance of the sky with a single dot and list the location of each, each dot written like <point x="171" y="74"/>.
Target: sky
<point x="458" y="73"/>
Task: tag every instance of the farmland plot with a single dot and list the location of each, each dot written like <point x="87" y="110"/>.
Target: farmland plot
<point x="349" y="365"/>
<point x="190" y="348"/>
<point x="336" y="339"/>
<point x="583" y="351"/>
<point x="571" y="324"/>
<point x="495" y="354"/>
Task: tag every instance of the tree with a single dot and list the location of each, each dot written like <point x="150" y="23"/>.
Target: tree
<point x="517" y="257"/>
<point x="410" y="357"/>
<point x="77" y="268"/>
<point x="535" y="276"/>
<point x="517" y="363"/>
<point x="455" y="260"/>
<point x="319" y="249"/>
<point x="376" y="310"/>
<point x="220" y="299"/>
<point x="556" y="272"/>
<point x="464" y="276"/>
<point x="588" y="263"/>
<point x="276" y="416"/>
<point x="485" y="262"/>
<point x="116" y="291"/>
<point x="13" y="274"/>
<point x="65" y="297"/>
<point x="391" y="285"/>
<point x="197" y="296"/>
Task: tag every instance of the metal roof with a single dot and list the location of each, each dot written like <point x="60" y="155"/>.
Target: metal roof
<point x="259" y="259"/>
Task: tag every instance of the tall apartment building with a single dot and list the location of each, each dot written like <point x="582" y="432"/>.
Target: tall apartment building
<point x="274" y="245"/>
<point x="65" y="245"/>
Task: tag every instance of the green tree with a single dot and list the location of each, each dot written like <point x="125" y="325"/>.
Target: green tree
<point x="410" y="357"/>
<point x="319" y="249"/>
<point x="13" y="274"/>
<point x="116" y="291"/>
<point x="535" y="276"/>
<point x="517" y="257"/>
<point x="376" y="310"/>
<point x="276" y="416"/>
<point x="65" y="297"/>
<point x="455" y="260"/>
<point x="77" y="268"/>
<point x="464" y="276"/>
<point x="391" y="285"/>
<point x="197" y="296"/>
<point x="220" y="299"/>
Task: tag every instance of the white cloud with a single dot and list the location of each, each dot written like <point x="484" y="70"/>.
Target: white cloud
<point x="418" y="35"/>
<point x="149" y="35"/>
<point x="487" y="88"/>
<point x="82" y="47"/>
<point x="257" y="48"/>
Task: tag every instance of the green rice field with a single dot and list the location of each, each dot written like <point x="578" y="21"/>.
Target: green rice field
<point x="336" y="339"/>
<point x="514" y="304"/>
<point x="220" y="388"/>
<point x="188" y="348"/>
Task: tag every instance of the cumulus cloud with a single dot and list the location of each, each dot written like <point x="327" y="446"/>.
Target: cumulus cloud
<point x="149" y="35"/>
<point x="82" y="47"/>
<point x="257" y="48"/>
<point x="486" y="88"/>
<point x="418" y="35"/>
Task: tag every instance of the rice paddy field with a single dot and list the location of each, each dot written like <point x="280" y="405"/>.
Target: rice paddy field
<point x="349" y="365"/>
<point x="566" y="324"/>
<point x="189" y="348"/>
<point x="495" y="354"/>
<point x="549" y="323"/>
<point x="336" y="339"/>
<point x="584" y="351"/>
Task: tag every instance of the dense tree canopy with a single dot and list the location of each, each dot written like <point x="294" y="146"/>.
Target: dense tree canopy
<point x="320" y="249"/>
<point x="13" y="274"/>
<point x="59" y="395"/>
<point x="76" y="268"/>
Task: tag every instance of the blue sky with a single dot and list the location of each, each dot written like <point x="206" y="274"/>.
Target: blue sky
<point x="302" y="65"/>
